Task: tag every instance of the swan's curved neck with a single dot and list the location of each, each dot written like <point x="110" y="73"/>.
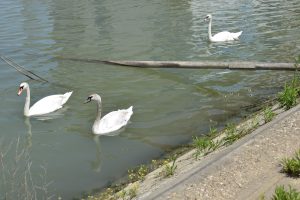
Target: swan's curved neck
<point x="99" y="108"/>
<point x="209" y="30"/>
<point x="27" y="102"/>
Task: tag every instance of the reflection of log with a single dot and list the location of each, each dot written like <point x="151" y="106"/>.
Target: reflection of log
<point x="195" y="64"/>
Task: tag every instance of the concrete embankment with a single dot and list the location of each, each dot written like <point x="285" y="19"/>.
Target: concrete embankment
<point x="245" y="170"/>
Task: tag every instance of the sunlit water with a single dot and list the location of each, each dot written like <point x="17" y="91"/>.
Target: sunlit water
<point x="170" y="105"/>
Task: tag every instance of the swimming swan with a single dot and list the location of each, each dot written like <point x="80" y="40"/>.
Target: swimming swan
<point x="45" y="105"/>
<point x="222" y="36"/>
<point x="112" y="121"/>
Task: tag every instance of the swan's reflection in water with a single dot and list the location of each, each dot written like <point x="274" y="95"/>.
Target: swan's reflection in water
<point x="96" y="164"/>
<point x="54" y="115"/>
<point x="29" y="133"/>
<point x="115" y="133"/>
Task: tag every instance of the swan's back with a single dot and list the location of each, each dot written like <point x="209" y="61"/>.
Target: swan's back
<point x="113" y="121"/>
<point x="49" y="104"/>
<point x="226" y="36"/>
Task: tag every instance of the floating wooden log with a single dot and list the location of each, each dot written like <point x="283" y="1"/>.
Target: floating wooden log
<point x="238" y="65"/>
<point x="207" y="65"/>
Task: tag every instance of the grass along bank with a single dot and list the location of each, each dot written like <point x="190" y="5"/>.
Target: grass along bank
<point x="146" y="177"/>
<point x="291" y="167"/>
<point x="281" y="193"/>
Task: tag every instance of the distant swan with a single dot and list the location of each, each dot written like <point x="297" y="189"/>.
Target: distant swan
<point x="45" y="105"/>
<point x="222" y="36"/>
<point x="112" y="121"/>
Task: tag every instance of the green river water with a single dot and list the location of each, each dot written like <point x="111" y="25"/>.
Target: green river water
<point x="170" y="105"/>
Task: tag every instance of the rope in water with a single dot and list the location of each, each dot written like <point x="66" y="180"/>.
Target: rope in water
<point x="22" y="70"/>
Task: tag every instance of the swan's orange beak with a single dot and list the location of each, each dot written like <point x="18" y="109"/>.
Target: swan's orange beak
<point x="20" y="91"/>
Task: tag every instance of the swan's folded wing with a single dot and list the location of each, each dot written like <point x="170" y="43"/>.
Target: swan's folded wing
<point x="226" y="36"/>
<point x="222" y="36"/>
<point x="46" y="105"/>
<point x="114" y="120"/>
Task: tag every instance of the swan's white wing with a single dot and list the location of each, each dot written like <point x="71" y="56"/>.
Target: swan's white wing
<point x="225" y="36"/>
<point x="49" y="104"/>
<point x="114" y="120"/>
<point x="222" y="36"/>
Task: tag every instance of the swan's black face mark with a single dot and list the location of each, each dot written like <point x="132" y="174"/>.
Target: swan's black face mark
<point x="206" y="18"/>
<point x="89" y="99"/>
<point x="20" y="90"/>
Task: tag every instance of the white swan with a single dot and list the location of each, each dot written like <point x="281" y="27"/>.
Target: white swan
<point x="222" y="36"/>
<point x="45" y="105"/>
<point x="112" y="121"/>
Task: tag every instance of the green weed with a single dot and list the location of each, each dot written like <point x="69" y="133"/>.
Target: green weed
<point x="204" y="145"/>
<point x="122" y="194"/>
<point x="169" y="169"/>
<point x="268" y="114"/>
<point x="107" y="194"/>
<point x="213" y="132"/>
<point x="138" y="174"/>
<point x="288" y="98"/>
<point x="132" y="192"/>
<point x="231" y="134"/>
<point x="291" y="166"/>
<point x="282" y="194"/>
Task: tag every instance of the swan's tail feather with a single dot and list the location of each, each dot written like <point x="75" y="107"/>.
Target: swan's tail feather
<point x="66" y="96"/>
<point x="129" y="110"/>
<point x="237" y="35"/>
<point x="129" y="113"/>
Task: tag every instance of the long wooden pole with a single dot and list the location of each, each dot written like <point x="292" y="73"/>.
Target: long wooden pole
<point x="207" y="65"/>
<point x="195" y="64"/>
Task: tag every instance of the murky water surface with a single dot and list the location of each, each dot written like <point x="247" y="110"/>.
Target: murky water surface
<point x="170" y="105"/>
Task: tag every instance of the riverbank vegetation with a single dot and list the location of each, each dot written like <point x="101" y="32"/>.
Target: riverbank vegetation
<point x="268" y="114"/>
<point x="169" y="166"/>
<point x="291" y="166"/>
<point x="288" y="97"/>
<point x="281" y="193"/>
